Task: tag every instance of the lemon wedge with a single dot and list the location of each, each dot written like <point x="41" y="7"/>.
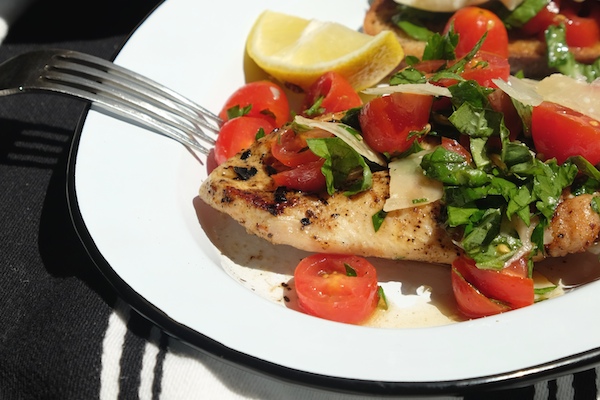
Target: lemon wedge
<point x="297" y="51"/>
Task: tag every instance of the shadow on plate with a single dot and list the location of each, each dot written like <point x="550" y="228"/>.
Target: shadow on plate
<point x="419" y="294"/>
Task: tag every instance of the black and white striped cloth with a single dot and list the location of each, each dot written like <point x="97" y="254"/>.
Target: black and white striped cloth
<point x="159" y="368"/>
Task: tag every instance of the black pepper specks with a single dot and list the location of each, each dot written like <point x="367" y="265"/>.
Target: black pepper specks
<point x="279" y="194"/>
<point x="245" y="154"/>
<point x="244" y="173"/>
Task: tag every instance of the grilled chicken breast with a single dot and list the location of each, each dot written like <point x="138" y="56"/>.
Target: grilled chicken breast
<point x="243" y="189"/>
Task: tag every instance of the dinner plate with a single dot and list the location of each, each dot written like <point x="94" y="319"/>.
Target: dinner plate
<point x="199" y="276"/>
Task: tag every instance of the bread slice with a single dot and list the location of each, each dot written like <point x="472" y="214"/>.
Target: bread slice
<point x="525" y="54"/>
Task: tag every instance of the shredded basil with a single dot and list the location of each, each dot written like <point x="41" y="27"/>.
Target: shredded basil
<point x="441" y="47"/>
<point x="407" y="75"/>
<point x="349" y="270"/>
<point x="414" y="21"/>
<point x="237" y="111"/>
<point x="316" y="108"/>
<point x="482" y="196"/>
<point x="344" y="169"/>
<point x="563" y="60"/>
<point x="524" y="12"/>
<point x="595" y="204"/>
<point x="378" y="219"/>
<point x="383" y="303"/>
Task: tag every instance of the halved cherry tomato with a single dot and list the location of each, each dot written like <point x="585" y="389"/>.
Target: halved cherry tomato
<point x="581" y="20"/>
<point x="267" y="99"/>
<point x="508" y="287"/>
<point x="290" y="148"/>
<point x="326" y="290"/>
<point x="388" y="121"/>
<point x="238" y="134"/>
<point x="485" y="67"/>
<point x="581" y="31"/>
<point x="559" y="132"/>
<point x="471" y="302"/>
<point x="329" y="94"/>
<point x="517" y="268"/>
<point x="471" y="23"/>
<point x="482" y="68"/>
<point x="305" y="177"/>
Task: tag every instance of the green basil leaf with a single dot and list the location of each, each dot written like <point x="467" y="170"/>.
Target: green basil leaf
<point x="378" y="219"/>
<point x="237" y="111"/>
<point x="452" y="169"/>
<point x="524" y="12"/>
<point x="563" y="60"/>
<point x="407" y="75"/>
<point x="344" y="168"/>
<point x="415" y="31"/>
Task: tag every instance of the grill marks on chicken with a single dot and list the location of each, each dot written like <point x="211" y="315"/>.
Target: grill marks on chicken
<point x="243" y="189"/>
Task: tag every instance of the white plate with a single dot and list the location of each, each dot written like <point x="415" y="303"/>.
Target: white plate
<point x="134" y="197"/>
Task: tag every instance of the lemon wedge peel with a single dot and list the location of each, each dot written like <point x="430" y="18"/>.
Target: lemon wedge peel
<point x="298" y="51"/>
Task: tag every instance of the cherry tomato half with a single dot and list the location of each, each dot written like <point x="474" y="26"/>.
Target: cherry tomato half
<point x="581" y="20"/>
<point x="290" y="148"/>
<point x="506" y="286"/>
<point x="471" y="23"/>
<point x="304" y="177"/>
<point x="238" y="134"/>
<point x="485" y="67"/>
<point x="581" y="31"/>
<point x="329" y="94"/>
<point x="388" y="121"/>
<point x="267" y="99"/>
<point x="471" y="302"/>
<point x="326" y="290"/>
<point x="559" y="132"/>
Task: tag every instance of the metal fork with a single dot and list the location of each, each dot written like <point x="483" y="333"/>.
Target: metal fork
<point x="113" y="90"/>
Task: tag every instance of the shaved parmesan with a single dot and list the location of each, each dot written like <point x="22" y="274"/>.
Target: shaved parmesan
<point x="452" y="5"/>
<point x="572" y="93"/>
<point x="409" y="187"/>
<point x="348" y="134"/>
<point x="416" y="88"/>
<point x="524" y="233"/>
<point x="522" y="90"/>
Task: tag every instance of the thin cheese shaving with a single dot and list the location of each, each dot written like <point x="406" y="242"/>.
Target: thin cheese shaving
<point x="409" y="187"/>
<point x="572" y="93"/>
<point x="342" y="131"/>
<point x="415" y="88"/>
<point x="522" y="90"/>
